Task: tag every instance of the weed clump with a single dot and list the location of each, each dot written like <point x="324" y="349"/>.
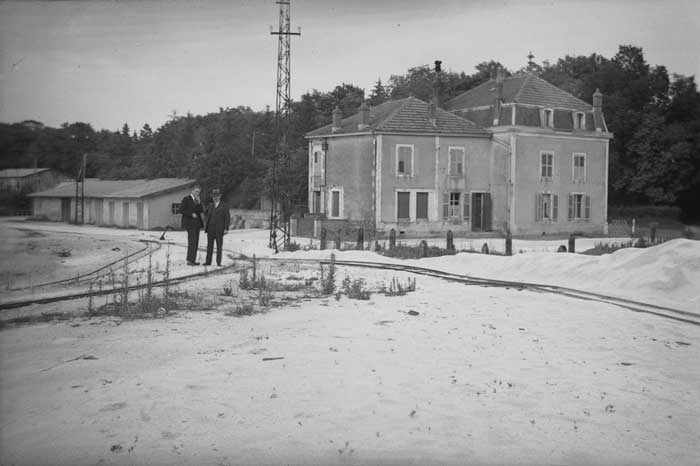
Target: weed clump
<point x="328" y="279"/>
<point x="355" y="289"/>
<point x="396" y="288"/>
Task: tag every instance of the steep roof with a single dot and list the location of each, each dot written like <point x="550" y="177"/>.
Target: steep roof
<point x="525" y="89"/>
<point x="20" y="172"/>
<point x="125" y="189"/>
<point x="409" y="115"/>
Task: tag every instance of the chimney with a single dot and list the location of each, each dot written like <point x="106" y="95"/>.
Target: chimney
<point x="499" y="84"/>
<point x="598" y="110"/>
<point x="364" y="117"/>
<point x="436" y="83"/>
<point x="499" y="97"/>
<point x="432" y="112"/>
<point x="337" y="117"/>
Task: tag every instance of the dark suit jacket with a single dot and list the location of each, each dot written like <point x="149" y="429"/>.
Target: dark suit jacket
<point x="188" y="207"/>
<point x="218" y="219"/>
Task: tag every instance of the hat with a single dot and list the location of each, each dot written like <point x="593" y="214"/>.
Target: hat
<point x="216" y="192"/>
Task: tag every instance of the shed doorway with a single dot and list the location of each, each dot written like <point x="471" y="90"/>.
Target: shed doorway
<point x="65" y="209"/>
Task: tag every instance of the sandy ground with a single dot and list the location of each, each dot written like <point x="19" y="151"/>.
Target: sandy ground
<point x="478" y="376"/>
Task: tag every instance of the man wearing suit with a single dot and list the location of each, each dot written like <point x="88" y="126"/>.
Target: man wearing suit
<point x="191" y="210"/>
<point x="218" y="220"/>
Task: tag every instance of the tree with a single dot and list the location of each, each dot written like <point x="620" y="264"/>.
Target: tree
<point x="379" y="94"/>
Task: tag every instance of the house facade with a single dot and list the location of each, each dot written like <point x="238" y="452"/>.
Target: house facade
<point x="559" y="148"/>
<point x="410" y="166"/>
<point x="493" y="162"/>
<point x="141" y="204"/>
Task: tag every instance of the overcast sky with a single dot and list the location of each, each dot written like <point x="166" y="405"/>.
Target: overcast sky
<point x="113" y="62"/>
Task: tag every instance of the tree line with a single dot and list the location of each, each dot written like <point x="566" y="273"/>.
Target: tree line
<point x="654" y="115"/>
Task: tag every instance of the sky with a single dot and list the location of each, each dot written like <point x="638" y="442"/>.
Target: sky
<point x="113" y="62"/>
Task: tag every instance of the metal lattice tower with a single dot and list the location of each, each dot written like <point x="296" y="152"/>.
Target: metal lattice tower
<point x="280" y="210"/>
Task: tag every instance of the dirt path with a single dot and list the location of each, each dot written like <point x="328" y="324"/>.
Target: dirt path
<point x="482" y="379"/>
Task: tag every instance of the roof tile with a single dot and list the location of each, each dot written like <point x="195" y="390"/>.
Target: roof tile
<point x="409" y="115"/>
<point x="127" y="189"/>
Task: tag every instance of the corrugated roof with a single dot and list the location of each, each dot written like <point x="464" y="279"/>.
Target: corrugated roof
<point x="525" y="89"/>
<point x="409" y="115"/>
<point x="127" y="189"/>
<point x="20" y="172"/>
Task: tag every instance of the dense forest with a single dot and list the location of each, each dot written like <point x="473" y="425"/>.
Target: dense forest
<point x="654" y="156"/>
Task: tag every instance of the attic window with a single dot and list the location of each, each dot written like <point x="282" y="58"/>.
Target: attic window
<point x="579" y="120"/>
<point x="548" y="118"/>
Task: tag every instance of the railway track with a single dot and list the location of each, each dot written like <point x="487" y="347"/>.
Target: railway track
<point x="627" y="304"/>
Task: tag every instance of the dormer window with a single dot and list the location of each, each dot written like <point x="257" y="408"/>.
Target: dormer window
<point x="579" y="120"/>
<point x="548" y="118"/>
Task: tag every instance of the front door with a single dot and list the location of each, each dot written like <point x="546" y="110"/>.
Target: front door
<point x="481" y="212"/>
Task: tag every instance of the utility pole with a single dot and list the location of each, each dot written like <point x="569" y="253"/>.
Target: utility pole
<point x="80" y="193"/>
<point x="280" y="209"/>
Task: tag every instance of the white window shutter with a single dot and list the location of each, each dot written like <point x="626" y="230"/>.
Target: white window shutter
<point x="588" y="208"/>
<point x="571" y="207"/>
<point x="555" y="207"/>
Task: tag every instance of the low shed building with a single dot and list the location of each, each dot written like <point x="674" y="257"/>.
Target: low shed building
<point x="29" y="179"/>
<point x="141" y="204"/>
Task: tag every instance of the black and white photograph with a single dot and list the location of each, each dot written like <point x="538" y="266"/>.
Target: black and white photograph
<point x="349" y="232"/>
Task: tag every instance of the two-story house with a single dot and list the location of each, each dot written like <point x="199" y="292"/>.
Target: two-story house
<point x="501" y="159"/>
<point x="558" y="152"/>
<point x="407" y="165"/>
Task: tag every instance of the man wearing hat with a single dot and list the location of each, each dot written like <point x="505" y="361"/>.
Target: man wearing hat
<point x="216" y="224"/>
<point x="191" y="210"/>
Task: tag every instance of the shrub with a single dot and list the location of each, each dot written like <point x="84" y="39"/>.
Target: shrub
<point x="228" y="289"/>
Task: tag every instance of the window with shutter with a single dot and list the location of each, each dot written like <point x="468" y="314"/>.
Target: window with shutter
<point x="546" y="165"/>
<point x="579" y="167"/>
<point x="335" y="203"/>
<point x="421" y="206"/>
<point x="402" y="203"/>
<point x="579" y="207"/>
<point x="467" y="206"/>
<point x="546" y="206"/>
<point x="456" y="167"/>
<point x="455" y="210"/>
<point x="404" y="159"/>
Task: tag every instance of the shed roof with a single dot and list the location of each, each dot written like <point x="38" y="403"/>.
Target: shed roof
<point x="408" y="115"/>
<point x="20" y="172"/>
<point x="525" y="89"/>
<point x="125" y="189"/>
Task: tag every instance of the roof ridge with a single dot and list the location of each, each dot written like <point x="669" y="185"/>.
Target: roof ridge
<point x="522" y="86"/>
<point x="398" y="108"/>
<point x="552" y="86"/>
